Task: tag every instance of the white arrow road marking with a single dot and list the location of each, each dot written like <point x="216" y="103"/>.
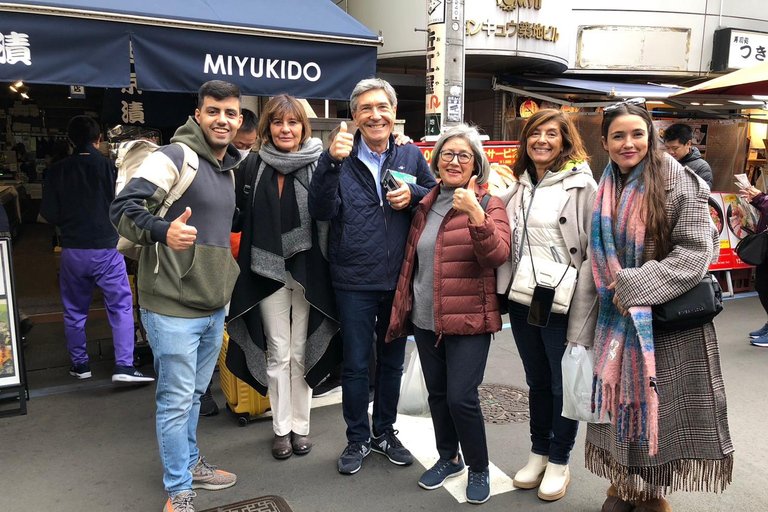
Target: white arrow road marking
<point x="418" y="435"/>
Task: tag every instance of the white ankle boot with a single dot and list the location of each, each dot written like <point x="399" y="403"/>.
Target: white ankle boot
<point x="530" y="476"/>
<point x="555" y="482"/>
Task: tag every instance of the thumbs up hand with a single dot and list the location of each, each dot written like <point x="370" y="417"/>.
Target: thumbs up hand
<point x="180" y="236"/>
<point x="465" y="200"/>
<point x="341" y="146"/>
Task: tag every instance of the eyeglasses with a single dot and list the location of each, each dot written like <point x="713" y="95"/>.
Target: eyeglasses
<point x="448" y="156"/>
<point x="638" y="102"/>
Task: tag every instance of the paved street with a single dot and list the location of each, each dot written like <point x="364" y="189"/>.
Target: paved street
<point x="85" y="446"/>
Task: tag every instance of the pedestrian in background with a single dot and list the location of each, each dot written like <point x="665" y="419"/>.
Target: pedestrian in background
<point x="678" y="141"/>
<point x="77" y="194"/>
<point x="550" y="210"/>
<point x="446" y="298"/>
<point x="759" y="200"/>
<point x="652" y="241"/>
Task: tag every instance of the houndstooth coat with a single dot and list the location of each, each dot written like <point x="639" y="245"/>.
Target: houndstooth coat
<point x="695" y="450"/>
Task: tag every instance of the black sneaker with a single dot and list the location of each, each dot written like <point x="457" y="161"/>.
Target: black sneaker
<point x="326" y="388"/>
<point x="81" y="371"/>
<point x="478" y="486"/>
<point x="443" y="469"/>
<point x="388" y="444"/>
<point x="26" y="325"/>
<point x="208" y="405"/>
<point x="351" y="460"/>
<point x="129" y="374"/>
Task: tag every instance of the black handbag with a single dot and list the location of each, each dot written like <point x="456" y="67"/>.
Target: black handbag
<point x="695" y="308"/>
<point x="753" y="249"/>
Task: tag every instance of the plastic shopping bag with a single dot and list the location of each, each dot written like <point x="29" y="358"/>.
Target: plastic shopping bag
<point x="413" y="390"/>
<point x="577" y="367"/>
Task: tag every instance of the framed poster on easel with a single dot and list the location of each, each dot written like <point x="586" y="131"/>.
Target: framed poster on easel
<point x="12" y="378"/>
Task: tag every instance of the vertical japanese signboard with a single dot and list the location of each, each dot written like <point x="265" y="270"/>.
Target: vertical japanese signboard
<point x="435" y="67"/>
<point x="445" y="65"/>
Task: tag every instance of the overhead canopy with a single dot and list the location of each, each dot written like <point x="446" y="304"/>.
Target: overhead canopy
<point x="545" y="87"/>
<point x="742" y="83"/>
<point x="309" y="48"/>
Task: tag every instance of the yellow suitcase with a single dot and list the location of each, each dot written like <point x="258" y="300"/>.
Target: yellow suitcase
<point x="242" y="399"/>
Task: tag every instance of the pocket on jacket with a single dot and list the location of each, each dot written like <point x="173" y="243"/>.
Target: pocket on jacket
<point x="209" y="281"/>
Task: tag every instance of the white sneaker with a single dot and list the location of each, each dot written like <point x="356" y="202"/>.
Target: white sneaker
<point x="530" y="476"/>
<point x="555" y="482"/>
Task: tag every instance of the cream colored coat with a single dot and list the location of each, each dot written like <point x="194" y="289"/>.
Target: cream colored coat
<point x="577" y="200"/>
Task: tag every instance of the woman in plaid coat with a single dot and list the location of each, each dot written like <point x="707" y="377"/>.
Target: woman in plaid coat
<point x="652" y="241"/>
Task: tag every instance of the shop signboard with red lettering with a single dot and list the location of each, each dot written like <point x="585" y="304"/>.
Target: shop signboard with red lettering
<point x="498" y="152"/>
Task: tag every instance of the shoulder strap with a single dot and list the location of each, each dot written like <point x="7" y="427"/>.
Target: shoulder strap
<point x="484" y="201"/>
<point x="187" y="174"/>
<point x="250" y="169"/>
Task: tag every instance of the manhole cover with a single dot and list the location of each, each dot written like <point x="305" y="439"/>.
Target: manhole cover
<point x="503" y="404"/>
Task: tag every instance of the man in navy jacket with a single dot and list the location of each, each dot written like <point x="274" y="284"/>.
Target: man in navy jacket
<point x="369" y="227"/>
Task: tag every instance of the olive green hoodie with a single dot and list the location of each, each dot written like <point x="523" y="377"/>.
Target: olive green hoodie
<point x="198" y="281"/>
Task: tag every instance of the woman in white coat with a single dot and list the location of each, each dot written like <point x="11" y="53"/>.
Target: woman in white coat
<point x="550" y="211"/>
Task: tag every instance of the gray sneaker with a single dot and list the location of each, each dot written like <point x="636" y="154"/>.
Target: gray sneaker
<point x="181" y="502"/>
<point x="207" y="476"/>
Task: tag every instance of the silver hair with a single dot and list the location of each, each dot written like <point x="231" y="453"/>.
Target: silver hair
<point x="371" y="84"/>
<point x="472" y="136"/>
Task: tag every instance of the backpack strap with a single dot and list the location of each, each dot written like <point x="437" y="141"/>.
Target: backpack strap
<point x="248" y="175"/>
<point x="187" y="174"/>
<point x="484" y="201"/>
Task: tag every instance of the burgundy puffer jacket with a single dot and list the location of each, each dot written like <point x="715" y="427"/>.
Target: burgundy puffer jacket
<point x="465" y="283"/>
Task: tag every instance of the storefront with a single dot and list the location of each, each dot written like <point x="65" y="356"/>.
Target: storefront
<point x="139" y="65"/>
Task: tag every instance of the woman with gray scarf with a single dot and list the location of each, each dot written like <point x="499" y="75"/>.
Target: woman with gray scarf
<point x="283" y="316"/>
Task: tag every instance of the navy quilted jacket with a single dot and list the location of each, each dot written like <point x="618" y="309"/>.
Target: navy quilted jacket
<point x="367" y="241"/>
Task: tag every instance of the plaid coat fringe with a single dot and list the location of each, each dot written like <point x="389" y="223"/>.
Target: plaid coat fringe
<point x="695" y="449"/>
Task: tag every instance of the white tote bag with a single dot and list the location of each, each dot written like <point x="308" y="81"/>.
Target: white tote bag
<point x="413" y="390"/>
<point x="577" y="365"/>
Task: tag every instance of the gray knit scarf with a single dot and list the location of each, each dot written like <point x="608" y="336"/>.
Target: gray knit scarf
<point x="300" y="164"/>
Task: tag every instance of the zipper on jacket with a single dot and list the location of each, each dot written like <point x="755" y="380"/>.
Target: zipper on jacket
<point x="528" y="216"/>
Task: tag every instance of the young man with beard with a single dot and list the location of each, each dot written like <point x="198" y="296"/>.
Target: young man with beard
<point x="186" y="276"/>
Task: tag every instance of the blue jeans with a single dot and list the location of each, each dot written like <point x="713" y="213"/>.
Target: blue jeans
<point x="542" y="349"/>
<point x="185" y="351"/>
<point x="364" y="317"/>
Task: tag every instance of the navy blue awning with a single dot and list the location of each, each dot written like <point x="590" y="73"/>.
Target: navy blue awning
<point x="309" y="48"/>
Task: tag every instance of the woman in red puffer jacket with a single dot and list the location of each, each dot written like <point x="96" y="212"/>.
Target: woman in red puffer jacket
<point x="446" y="296"/>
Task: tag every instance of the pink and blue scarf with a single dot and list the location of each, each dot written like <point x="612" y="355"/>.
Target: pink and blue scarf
<point x="624" y="383"/>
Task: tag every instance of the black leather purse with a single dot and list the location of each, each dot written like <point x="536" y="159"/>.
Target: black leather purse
<point x="695" y="308"/>
<point x="753" y="249"/>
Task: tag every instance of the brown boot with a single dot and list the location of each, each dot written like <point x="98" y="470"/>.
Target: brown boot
<point x="302" y="445"/>
<point x="281" y="447"/>
<point x="654" y="505"/>
<point x="615" y="504"/>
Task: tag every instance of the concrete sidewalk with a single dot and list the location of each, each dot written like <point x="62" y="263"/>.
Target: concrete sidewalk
<point x="88" y="446"/>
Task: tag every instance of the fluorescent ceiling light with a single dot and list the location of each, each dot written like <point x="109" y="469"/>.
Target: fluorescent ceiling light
<point x="760" y="97"/>
<point x="746" y="102"/>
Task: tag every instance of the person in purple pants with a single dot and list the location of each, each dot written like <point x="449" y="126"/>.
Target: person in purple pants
<point x="76" y="197"/>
